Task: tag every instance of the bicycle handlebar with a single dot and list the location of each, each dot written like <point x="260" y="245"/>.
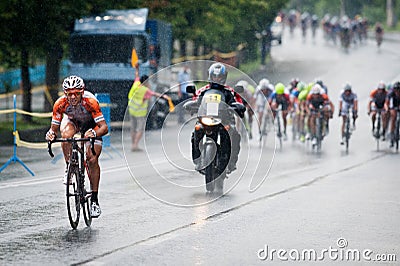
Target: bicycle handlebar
<point x="92" y="140"/>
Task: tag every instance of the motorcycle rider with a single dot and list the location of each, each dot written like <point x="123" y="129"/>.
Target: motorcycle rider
<point x="217" y="75"/>
<point x="348" y="100"/>
<point x="393" y="104"/>
<point x="377" y="103"/>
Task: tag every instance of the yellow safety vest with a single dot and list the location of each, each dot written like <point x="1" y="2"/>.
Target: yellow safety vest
<point x="137" y="105"/>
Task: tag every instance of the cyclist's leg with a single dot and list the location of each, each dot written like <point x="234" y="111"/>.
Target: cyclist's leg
<point x="67" y="130"/>
<point x="93" y="164"/>
<point x="384" y="117"/>
<point x="285" y="112"/>
<point x="373" y="120"/>
<point x="344" y="117"/>
<point x="393" y="115"/>
<point x="94" y="169"/>
<point x="313" y="129"/>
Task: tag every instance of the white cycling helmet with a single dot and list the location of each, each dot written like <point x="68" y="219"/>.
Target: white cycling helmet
<point x="264" y="83"/>
<point x="242" y="83"/>
<point x="73" y="83"/>
<point x="316" y="89"/>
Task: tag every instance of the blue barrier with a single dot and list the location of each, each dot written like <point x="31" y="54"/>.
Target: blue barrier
<point x="105" y="105"/>
<point x="105" y="101"/>
<point x="37" y="74"/>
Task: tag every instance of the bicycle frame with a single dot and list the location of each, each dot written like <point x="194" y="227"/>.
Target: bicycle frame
<point x="378" y="127"/>
<point x="278" y="113"/>
<point x="347" y="130"/>
<point x="319" y="123"/>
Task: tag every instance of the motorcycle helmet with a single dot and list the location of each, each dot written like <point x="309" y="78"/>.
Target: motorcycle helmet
<point x="73" y="83"/>
<point x="217" y="73"/>
<point x="279" y="88"/>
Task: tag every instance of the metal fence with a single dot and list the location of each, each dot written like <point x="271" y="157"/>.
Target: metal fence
<point x="10" y="80"/>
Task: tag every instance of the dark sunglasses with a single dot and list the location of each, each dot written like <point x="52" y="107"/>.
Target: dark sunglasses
<point x="76" y="93"/>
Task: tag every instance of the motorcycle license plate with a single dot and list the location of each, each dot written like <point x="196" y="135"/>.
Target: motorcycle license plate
<point x="212" y="98"/>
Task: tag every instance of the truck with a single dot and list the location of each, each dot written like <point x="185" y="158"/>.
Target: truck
<point x="100" y="50"/>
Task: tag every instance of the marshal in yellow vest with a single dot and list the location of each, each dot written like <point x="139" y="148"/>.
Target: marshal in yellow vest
<point x="137" y="105"/>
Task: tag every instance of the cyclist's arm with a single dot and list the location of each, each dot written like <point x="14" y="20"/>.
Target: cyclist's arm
<point x="100" y="130"/>
<point x="355" y="102"/>
<point x="386" y="106"/>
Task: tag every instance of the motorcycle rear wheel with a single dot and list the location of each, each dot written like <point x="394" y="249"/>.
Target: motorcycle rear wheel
<point x="210" y="176"/>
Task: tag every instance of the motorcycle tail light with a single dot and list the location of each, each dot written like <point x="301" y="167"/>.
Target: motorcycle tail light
<point x="210" y="121"/>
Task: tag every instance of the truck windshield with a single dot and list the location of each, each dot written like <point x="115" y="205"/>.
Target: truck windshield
<point x="104" y="48"/>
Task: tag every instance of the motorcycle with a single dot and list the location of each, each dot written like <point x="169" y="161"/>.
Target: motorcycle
<point x="216" y="119"/>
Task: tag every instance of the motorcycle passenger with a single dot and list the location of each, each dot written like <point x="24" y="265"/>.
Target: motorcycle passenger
<point x="393" y="104"/>
<point x="217" y="75"/>
<point x="377" y="103"/>
<point x="82" y="114"/>
<point x="315" y="100"/>
<point x="281" y="98"/>
<point x="348" y="100"/>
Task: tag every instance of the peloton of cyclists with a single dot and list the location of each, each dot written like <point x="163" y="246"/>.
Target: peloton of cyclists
<point x="347" y="101"/>
<point x="376" y="104"/>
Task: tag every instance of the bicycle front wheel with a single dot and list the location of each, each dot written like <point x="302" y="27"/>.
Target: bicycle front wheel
<point x="72" y="193"/>
<point x="86" y="201"/>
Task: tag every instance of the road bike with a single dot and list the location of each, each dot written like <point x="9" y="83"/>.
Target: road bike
<point x="319" y="124"/>
<point x="347" y="131"/>
<point x="266" y="125"/>
<point x="278" y="125"/>
<point x="78" y="198"/>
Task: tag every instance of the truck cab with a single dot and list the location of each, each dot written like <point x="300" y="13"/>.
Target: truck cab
<point x="101" y="49"/>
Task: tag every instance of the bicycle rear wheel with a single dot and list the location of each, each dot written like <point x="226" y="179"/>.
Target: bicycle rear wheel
<point x="72" y="193"/>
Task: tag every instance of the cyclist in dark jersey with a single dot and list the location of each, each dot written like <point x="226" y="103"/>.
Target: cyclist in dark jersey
<point x="393" y="104"/>
<point x="377" y="103"/>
